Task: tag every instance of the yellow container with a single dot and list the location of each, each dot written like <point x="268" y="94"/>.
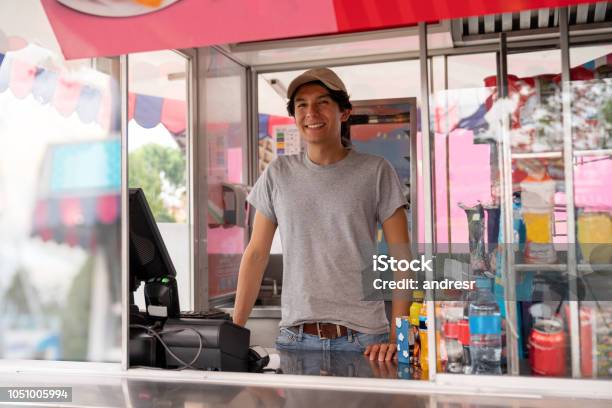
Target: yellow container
<point x="415" y="308"/>
<point x="594" y="231"/>
<point x="539" y="227"/>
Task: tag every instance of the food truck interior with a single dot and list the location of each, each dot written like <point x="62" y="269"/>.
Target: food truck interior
<point x="464" y="59"/>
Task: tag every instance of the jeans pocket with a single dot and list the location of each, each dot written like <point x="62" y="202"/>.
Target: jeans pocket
<point x="286" y="339"/>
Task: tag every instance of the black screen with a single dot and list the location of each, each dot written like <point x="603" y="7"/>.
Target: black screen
<point x="148" y="254"/>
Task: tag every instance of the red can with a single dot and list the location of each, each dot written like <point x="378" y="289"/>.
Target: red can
<point x="586" y="338"/>
<point x="463" y="328"/>
<point x="547" y="348"/>
<point x="451" y="329"/>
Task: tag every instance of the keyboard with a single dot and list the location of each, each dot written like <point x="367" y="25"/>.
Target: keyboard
<point x="210" y="314"/>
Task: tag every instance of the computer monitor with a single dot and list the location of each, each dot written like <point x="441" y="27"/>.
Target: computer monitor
<point x="150" y="261"/>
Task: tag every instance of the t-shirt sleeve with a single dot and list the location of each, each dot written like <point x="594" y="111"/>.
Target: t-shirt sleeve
<point x="260" y="196"/>
<point x="390" y="194"/>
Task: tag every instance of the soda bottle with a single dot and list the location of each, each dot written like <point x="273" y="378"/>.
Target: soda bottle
<point x="485" y="330"/>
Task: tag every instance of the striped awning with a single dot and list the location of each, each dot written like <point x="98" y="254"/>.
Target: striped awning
<point x="71" y="205"/>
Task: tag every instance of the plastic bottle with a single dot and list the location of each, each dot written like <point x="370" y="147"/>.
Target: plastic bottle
<point x="450" y="316"/>
<point x="424" y="354"/>
<point x="485" y="330"/>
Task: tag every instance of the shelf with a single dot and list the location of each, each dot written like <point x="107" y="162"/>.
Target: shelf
<point x="559" y="154"/>
<point x="594" y="152"/>
<point x="562" y="267"/>
<point x="594" y="267"/>
<point x="537" y="155"/>
<point x="540" y="267"/>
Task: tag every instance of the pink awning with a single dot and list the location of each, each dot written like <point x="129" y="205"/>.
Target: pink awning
<point x="196" y="23"/>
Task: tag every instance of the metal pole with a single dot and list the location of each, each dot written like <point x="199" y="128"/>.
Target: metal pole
<point x="508" y="276"/>
<point x="448" y="186"/>
<point x="200" y="185"/>
<point x="414" y="179"/>
<point x="250" y="138"/>
<point x="192" y="92"/>
<point x="125" y="217"/>
<point x="252" y="143"/>
<point x="433" y="164"/>
<point x="427" y="196"/>
<point x="568" y="164"/>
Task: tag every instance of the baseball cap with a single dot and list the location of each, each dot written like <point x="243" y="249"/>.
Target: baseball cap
<point x="325" y="75"/>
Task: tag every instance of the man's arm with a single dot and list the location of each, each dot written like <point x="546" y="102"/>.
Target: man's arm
<point x="252" y="267"/>
<point x="395" y="229"/>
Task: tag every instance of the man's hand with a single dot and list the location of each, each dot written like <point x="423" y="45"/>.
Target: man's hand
<point x="381" y="351"/>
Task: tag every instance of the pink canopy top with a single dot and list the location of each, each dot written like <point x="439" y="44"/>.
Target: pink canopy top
<point x="196" y="23"/>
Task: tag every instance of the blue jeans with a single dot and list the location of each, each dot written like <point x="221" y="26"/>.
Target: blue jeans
<point x="294" y="338"/>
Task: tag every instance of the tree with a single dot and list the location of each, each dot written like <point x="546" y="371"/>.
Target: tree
<point x="149" y="166"/>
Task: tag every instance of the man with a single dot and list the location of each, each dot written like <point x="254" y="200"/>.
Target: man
<point x="327" y="203"/>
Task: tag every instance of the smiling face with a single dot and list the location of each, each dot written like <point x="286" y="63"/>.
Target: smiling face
<point x="317" y="116"/>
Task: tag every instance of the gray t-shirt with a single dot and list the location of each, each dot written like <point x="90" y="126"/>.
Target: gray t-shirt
<point x="327" y="217"/>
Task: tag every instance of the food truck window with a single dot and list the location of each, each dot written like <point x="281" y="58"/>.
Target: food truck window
<point x="468" y="214"/>
<point x="591" y="90"/>
<point x="60" y="216"/>
<point x="157" y="153"/>
<point x="457" y="101"/>
<point x="540" y="209"/>
<point x="463" y="149"/>
<point x="225" y="102"/>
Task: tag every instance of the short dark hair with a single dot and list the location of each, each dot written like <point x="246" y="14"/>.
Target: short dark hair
<point x="340" y="97"/>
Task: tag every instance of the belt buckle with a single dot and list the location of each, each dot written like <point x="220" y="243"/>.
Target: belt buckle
<point x="321" y="337"/>
<point x="319" y="333"/>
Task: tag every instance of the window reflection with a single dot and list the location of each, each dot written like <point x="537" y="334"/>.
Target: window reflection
<point x="591" y="91"/>
<point x="467" y="214"/>
<point x="157" y="153"/>
<point x="225" y="101"/>
<point x="59" y="207"/>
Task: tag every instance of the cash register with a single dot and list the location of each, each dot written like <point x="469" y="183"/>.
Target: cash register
<point x="161" y="336"/>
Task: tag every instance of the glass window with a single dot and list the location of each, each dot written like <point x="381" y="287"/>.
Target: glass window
<point x="225" y="104"/>
<point x="539" y="261"/>
<point x="465" y="145"/>
<point x="157" y="153"/>
<point x="591" y="96"/>
<point x="467" y="201"/>
<point x="60" y="213"/>
<point x="535" y="95"/>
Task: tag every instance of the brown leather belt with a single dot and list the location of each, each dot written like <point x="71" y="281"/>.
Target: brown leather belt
<point x="325" y="330"/>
